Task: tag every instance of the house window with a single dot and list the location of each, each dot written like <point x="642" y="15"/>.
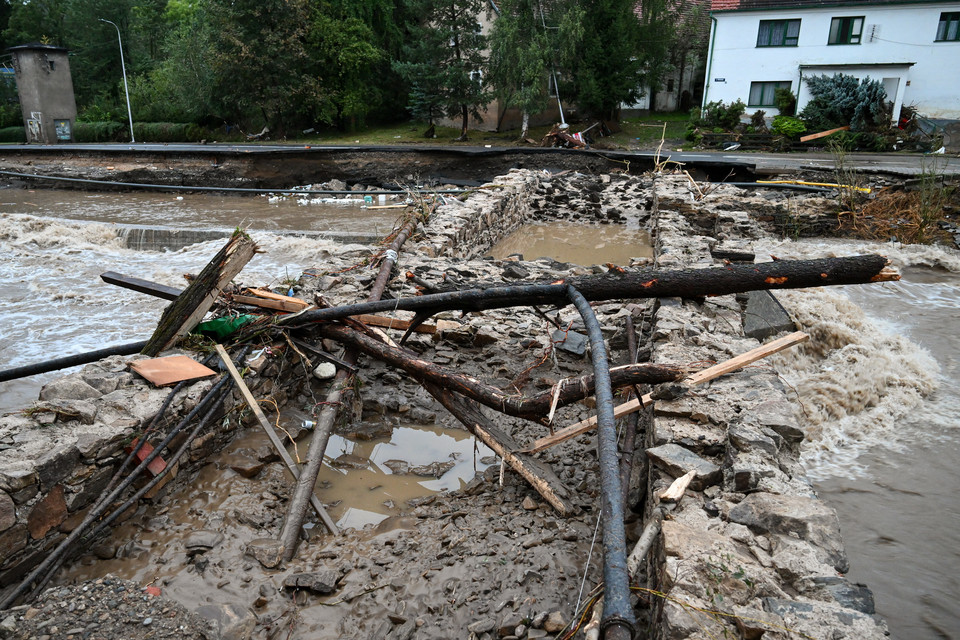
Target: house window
<point x="778" y="33"/>
<point x="949" y="28"/>
<point x="761" y="93"/>
<point x="846" y="30"/>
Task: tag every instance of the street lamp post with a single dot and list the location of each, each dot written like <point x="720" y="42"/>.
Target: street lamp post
<point x="123" y="68"/>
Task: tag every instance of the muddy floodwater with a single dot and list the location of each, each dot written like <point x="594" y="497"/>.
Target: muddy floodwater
<point x="576" y="243"/>
<point x="206" y="210"/>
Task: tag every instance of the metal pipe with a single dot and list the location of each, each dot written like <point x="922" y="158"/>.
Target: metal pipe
<point x="123" y="68"/>
<point x="618" y="619"/>
<point x="71" y="361"/>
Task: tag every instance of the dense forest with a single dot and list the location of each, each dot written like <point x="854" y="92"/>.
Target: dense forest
<point x="292" y="65"/>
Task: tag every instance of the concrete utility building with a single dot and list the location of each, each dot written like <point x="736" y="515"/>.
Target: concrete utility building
<point x="46" y="92"/>
<point x="913" y="48"/>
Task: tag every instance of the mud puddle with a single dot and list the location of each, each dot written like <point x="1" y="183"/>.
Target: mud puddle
<point x="576" y="243"/>
<point x="192" y="545"/>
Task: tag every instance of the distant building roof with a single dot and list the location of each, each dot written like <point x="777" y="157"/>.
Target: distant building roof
<point x="753" y="5"/>
<point x="37" y="45"/>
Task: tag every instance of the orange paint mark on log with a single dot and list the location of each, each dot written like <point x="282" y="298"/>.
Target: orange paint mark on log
<point x="557" y="282"/>
<point x="823" y="275"/>
<point x="772" y="280"/>
<point x="648" y="284"/>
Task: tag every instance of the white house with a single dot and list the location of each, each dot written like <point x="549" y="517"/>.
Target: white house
<point x="913" y="48"/>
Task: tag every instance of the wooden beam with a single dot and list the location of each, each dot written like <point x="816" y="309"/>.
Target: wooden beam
<point x="142" y="286"/>
<point x="823" y="134"/>
<point x="403" y="325"/>
<point x="266" y="303"/>
<point x="274" y="438"/>
<point x="694" y="379"/>
<point x="190" y="306"/>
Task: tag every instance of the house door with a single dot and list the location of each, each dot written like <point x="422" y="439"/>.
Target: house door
<point x="890" y="85"/>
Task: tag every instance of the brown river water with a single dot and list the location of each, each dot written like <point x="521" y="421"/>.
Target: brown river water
<point x="882" y="447"/>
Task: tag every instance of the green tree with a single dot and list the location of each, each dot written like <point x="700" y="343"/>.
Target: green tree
<point x="344" y="56"/>
<point x="527" y="45"/>
<point x="35" y="21"/>
<point x="261" y="64"/>
<point x="444" y="63"/>
<point x="841" y="100"/>
<point x="620" y="52"/>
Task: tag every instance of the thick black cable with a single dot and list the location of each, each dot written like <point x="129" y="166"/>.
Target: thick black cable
<point x="618" y="619"/>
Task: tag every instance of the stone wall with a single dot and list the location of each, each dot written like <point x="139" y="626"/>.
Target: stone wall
<point x="469" y="229"/>
<point x="58" y="455"/>
<point x="751" y="538"/>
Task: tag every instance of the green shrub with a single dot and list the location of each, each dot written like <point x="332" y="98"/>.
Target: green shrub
<point x="13" y="134"/>
<point x="841" y="100"/>
<point x="168" y="132"/>
<point x="787" y="126"/>
<point x="785" y="100"/>
<point x="862" y="141"/>
<point x="96" y="131"/>
<point x="721" y="117"/>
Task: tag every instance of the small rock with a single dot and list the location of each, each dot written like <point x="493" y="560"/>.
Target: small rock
<point x="529" y="504"/>
<point x="266" y="551"/>
<point x="322" y="582"/>
<point x="325" y="371"/>
<point x="554" y="622"/>
<point x="202" y="541"/>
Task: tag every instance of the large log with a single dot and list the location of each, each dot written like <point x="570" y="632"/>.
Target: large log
<point x="193" y="302"/>
<point x="643" y="283"/>
<point x="534" y="407"/>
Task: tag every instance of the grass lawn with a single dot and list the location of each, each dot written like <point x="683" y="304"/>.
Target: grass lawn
<point x="638" y="133"/>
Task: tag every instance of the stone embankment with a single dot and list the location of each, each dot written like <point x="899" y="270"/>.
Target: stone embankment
<point x="749" y="540"/>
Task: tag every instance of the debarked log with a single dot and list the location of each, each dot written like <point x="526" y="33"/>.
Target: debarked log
<point x="643" y="283"/>
<point x="534" y="407"/>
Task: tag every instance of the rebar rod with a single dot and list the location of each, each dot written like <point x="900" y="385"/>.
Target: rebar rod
<point x="71" y="361"/>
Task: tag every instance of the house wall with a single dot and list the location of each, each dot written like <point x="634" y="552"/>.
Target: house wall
<point x="897" y="48"/>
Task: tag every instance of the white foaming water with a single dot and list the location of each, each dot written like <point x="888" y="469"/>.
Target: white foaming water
<point x="53" y="303"/>
<point x="861" y="375"/>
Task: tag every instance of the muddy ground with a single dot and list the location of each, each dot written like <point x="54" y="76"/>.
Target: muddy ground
<point x="488" y="560"/>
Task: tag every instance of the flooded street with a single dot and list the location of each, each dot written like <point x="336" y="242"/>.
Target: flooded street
<point x="576" y="243"/>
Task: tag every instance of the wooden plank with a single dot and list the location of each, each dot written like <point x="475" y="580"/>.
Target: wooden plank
<point x="270" y="295"/>
<point x="699" y="377"/>
<point x="266" y="303"/>
<point x="142" y="286"/>
<point x="823" y="134"/>
<point x="274" y="438"/>
<point x="164" y="371"/>
<point x="190" y="306"/>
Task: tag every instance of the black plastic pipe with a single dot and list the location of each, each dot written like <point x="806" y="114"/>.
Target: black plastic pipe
<point x="71" y="361"/>
<point x="178" y="187"/>
<point x="618" y="622"/>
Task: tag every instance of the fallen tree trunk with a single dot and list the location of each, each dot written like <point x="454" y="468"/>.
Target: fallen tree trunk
<point x="533" y="407"/>
<point x="193" y="302"/>
<point x="645" y="283"/>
